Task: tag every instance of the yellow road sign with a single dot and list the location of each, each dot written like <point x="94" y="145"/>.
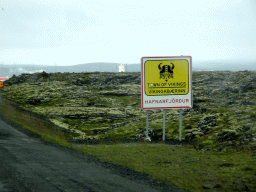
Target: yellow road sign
<point x="166" y="77"/>
<point x="1" y="84"/>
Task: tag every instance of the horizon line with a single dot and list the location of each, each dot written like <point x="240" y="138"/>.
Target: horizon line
<point x="197" y="61"/>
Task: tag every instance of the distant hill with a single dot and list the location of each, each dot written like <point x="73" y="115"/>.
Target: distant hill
<point x="18" y="69"/>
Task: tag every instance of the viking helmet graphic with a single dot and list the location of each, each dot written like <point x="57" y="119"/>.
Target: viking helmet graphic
<point x="166" y="71"/>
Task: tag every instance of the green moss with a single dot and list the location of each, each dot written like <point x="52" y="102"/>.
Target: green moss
<point x="213" y="145"/>
<point x="207" y="142"/>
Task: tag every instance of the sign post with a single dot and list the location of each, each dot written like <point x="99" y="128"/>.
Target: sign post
<point x="166" y="83"/>
<point x="147" y="126"/>
<point x="180" y="124"/>
<point x="164" y="126"/>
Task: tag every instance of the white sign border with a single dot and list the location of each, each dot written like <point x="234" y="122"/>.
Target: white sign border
<point x="166" y="99"/>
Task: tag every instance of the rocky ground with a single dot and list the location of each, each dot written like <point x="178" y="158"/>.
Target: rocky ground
<point x="110" y="104"/>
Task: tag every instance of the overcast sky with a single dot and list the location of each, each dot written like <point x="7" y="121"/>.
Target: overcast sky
<point x="79" y="31"/>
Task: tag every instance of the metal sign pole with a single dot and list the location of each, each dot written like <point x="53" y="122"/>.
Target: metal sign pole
<point x="147" y="126"/>
<point x="164" y="126"/>
<point x="180" y="123"/>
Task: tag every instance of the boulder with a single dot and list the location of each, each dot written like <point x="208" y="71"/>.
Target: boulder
<point x="203" y="128"/>
<point x="142" y="134"/>
<point x="150" y="133"/>
<point x="245" y="128"/>
<point x="75" y="127"/>
<point x="34" y="101"/>
<point x="227" y="135"/>
<point x="193" y="135"/>
<point x="246" y="103"/>
<point x="248" y="86"/>
<point x="196" y="109"/>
